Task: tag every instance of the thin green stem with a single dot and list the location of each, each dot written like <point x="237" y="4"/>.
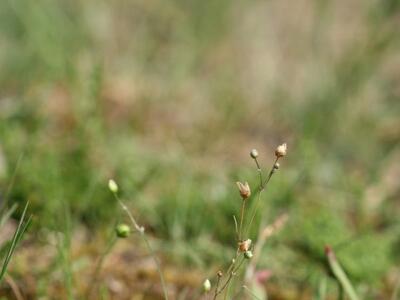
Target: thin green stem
<point x="11" y="184"/>
<point x="241" y="219"/>
<point x="340" y="274"/>
<point x="236" y="228"/>
<point x="141" y="230"/>
<point x="100" y="263"/>
<point x="259" y="171"/>
<point x="233" y="263"/>
<point x="152" y="253"/>
<point x="216" y="287"/>
<point x="19" y="232"/>
<point x="229" y="281"/>
<point x="256" y="205"/>
<point x="229" y="271"/>
<point x="262" y="187"/>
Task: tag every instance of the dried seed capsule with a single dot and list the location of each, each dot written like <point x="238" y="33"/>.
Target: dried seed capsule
<point x="244" y="190"/>
<point x="280" y="151"/>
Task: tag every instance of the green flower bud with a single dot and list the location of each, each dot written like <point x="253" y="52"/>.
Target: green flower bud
<point x="122" y="231"/>
<point x="112" y="185"/>
<point x="207" y="285"/>
<point x="248" y="254"/>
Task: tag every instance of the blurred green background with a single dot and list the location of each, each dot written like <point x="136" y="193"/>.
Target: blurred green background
<point x="169" y="96"/>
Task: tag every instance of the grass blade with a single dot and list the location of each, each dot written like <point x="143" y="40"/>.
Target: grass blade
<point x="340" y="274"/>
<point x="19" y="232"/>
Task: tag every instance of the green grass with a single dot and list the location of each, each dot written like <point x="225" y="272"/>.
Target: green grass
<point x="18" y="234"/>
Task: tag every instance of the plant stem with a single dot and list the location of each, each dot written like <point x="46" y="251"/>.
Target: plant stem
<point x="141" y="230"/>
<point x="152" y="253"/>
<point x="241" y="219"/>
<point x="231" y="267"/>
<point x="216" y="287"/>
<point x="228" y="282"/>
<point x="262" y="187"/>
<point x="236" y="229"/>
<point x="100" y="262"/>
<point x="232" y="271"/>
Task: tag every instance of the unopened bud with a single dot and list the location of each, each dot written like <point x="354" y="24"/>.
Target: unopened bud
<point x="112" y="185"/>
<point x="122" y="231"/>
<point x="245" y="245"/>
<point x="254" y="153"/>
<point x="280" y="151"/>
<point x="207" y="285"/>
<point x="248" y="254"/>
<point x="244" y="190"/>
<point x="276" y="166"/>
<point x="219" y="274"/>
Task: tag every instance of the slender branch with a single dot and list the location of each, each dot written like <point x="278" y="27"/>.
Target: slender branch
<point x="216" y="287"/>
<point x="259" y="171"/>
<point x="99" y="264"/>
<point x="228" y="282"/>
<point x="236" y="228"/>
<point x="271" y="172"/>
<point x="241" y="233"/>
<point x="261" y="189"/>
<point x="232" y="271"/>
<point x="141" y="230"/>
<point x="230" y="268"/>
<point x="241" y="219"/>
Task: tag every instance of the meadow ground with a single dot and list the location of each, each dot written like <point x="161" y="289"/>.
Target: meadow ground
<point x="168" y="98"/>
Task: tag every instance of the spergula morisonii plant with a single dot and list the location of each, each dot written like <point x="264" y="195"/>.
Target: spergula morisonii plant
<point x="244" y="250"/>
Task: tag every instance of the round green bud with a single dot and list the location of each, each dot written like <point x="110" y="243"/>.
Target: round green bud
<point x="207" y="285"/>
<point x="248" y="254"/>
<point x="122" y="231"/>
<point x="112" y="185"/>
